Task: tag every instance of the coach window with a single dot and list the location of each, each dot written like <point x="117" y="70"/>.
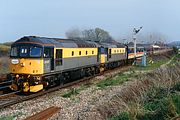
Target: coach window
<point x="109" y="53"/>
<point x="79" y="52"/>
<point x="72" y="53"/>
<point x="86" y="52"/>
<point x="58" y="57"/>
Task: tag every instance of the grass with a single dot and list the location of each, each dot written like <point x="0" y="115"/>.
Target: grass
<point x="176" y="59"/>
<point x="73" y="91"/>
<point x="119" y="79"/>
<point x="7" y="118"/>
<point x="121" y="116"/>
<point x="122" y="77"/>
<point x="4" y="65"/>
<point x="4" y="47"/>
<point x="152" y="66"/>
<point x="158" y="105"/>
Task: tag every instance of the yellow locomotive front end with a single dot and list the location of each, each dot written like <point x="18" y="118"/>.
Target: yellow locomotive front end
<point x="26" y="67"/>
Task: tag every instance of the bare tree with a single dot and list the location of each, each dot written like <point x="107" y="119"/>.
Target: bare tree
<point x="74" y="33"/>
<point x="97" y="34"/>
<point x="89" y="34"/>
<point x="146" y="38"/>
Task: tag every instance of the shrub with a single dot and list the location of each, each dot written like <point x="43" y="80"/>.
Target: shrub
<point x="121" y="116"/>
<point x="176" y="101"/>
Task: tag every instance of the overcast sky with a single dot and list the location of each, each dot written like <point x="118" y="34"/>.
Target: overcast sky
<point x="52" y="18"/>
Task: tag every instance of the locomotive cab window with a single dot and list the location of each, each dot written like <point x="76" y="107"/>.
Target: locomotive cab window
<point x="14" y="51"/>
<point x="24" y="51"/>
<point x="35" y="52"/>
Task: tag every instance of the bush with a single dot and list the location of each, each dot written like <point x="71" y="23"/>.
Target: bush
<point x="176" y="101"/>
<point x="159" y="110"/>
<point x="177" y="87"/>
<point x="121" y="116"/>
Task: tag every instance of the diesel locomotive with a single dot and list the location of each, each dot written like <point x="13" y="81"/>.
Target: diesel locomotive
<point x="37" y="63"/>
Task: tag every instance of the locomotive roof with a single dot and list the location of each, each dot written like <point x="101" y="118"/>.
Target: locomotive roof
<point x="63" y="43"/>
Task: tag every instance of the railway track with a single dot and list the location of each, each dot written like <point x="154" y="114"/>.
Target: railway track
<point x="14" y="97"/>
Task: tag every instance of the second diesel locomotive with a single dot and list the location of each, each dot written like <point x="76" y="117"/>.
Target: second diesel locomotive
<point x="39" y="62"/>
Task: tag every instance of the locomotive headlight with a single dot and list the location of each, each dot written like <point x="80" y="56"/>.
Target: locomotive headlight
<point x="17" y="76"/>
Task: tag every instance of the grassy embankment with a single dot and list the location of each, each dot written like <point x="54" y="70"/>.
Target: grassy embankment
<point x="152" y="63"/>
<point x="159" y="102"/>
<point x="4" y="60"/>
<point x="156" y="94"/>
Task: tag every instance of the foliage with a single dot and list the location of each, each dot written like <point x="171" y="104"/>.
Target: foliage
<point x="119" y="79"/>
<point x="7" y="118"/>
<point x="158" y="105"/>
<point x="154" y="65"/>
<point x="74" y="91"/>
<point x="176" y="87"/>
<point x="176" y="101"/>
<point x="74" y="33"/>
<point x="121" y="116"/>
<point x="97" y="34"/>
<point x="176" y="59"/>
<point x="175" y="49"/>
<point x="4" y="49"/>
<point x="71" y="92"/>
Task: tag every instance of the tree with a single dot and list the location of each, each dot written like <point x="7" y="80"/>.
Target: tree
<point x="74" y="33"/>
<point x="97" y="34"/>
<point x="89" y="34"/>
<point x="147" y="38"/>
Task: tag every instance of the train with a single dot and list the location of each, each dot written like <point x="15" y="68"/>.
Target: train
<point x="37" y="63"/>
